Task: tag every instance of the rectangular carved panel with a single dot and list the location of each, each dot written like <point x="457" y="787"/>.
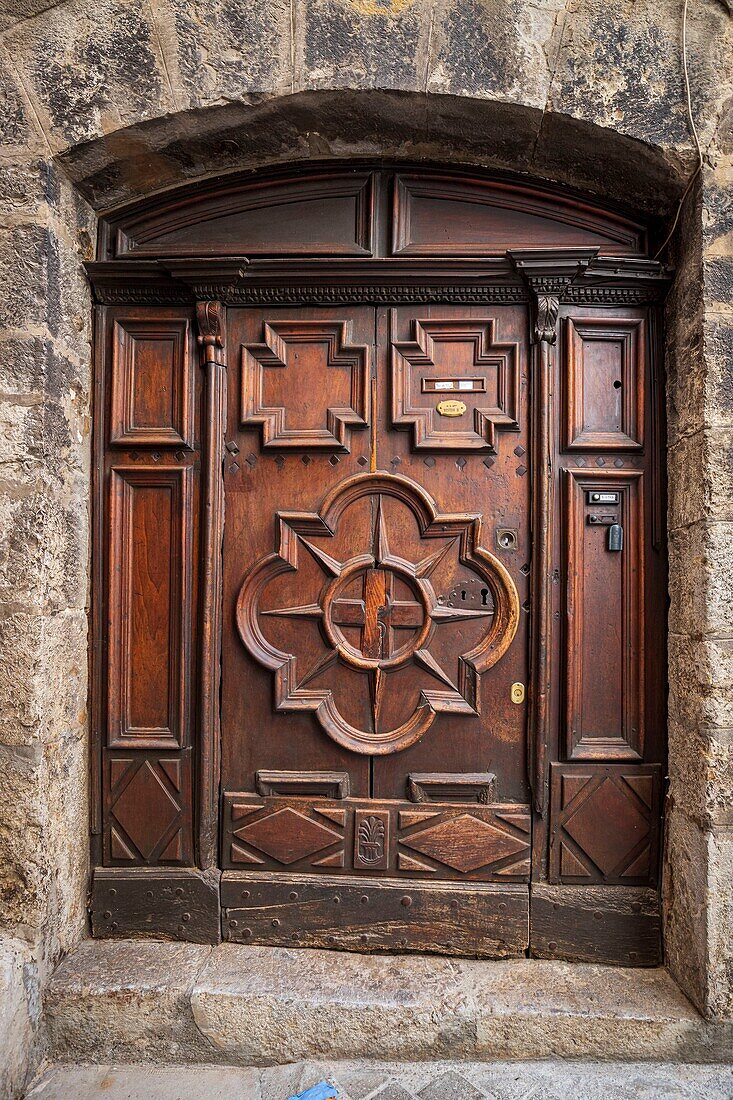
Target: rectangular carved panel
<point x="305" y="385"/>
<point x="366" y="914"/>
<point x="149" y="606"/>
<point x="147" y="816"/>
<point x="480" y="368"/>
<point x="611" y="925"/>
<point x="437" y="216"/>
<point x="152" y="387"/>
<point x="605" y="619"/>
<point x="605" y="823"/>
<point x="465" y="842"/>
<point x="604" y="384"/>
<point x="329" y="214"/>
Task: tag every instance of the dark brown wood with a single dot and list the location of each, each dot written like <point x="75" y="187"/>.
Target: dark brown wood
<point x="323" y="784"/>
<point x="149" y="663"/>
<point x="435" y="215"/>
<point x="152" y="388"/>
<point x="180" y="904"/>
<point x="612" y="925"/>
<point x="604" y="658"/>
<point x="370" y="915"/>
<point x="603" y="405"/>
<point x="451" y="787"/>
<point x="212" y="341"/>
<point x="441" y="840"/>
<point x="605" y="823"/>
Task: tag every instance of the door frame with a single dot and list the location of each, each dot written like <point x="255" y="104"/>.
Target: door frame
<point x="544" y="279"/>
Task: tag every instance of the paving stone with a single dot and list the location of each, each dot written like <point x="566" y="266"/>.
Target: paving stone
<point x="450" y="1086"/>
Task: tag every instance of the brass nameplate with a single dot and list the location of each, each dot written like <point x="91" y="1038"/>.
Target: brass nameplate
<point x="451" y="408"/>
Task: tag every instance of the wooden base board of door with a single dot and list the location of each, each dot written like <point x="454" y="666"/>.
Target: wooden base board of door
<point x="375" y="914"/>
<point x="616" y="925"/>
<point x="182" y="903"/>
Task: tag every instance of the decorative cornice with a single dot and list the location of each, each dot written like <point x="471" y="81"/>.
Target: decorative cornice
<point x="570" y="275"/>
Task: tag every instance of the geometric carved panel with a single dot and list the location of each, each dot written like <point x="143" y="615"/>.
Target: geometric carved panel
<point x="316" y="361"/>
<point x="455" y="359"/>
<point x="604" y="397"/>
<point x="605" y="824"/>
<point x="147" y="820"/>
<point x="152" y="388"/>
<point x="353" y="836"/>
<point x="394" y="631"/>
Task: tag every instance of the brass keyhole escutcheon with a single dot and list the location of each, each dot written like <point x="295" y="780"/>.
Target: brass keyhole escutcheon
<point x="517" y="693"/>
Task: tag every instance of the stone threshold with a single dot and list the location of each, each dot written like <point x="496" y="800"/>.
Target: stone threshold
<point x="116" y="1001"/>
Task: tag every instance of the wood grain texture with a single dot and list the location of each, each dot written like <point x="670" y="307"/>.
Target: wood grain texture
<point x="178" y="904"/>
<point x="149" y="663"/>
<point x="603" y="403"/>
<point x="152" y="390"/>
<point x="211" y="322"/>
<point x="436" y="840"/>
<point x="369" y="915"/>
<point x="604" y="609"/>
<point x="611" y="925"/>
<point x="361" y="568"/>
<point x="605" y="823"/>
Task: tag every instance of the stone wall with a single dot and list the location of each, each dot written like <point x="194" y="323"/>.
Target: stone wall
<point x="103" y="103"/>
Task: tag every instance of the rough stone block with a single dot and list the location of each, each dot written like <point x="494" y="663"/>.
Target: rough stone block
<point x="92" y="70"/>
<point x="608" y="68"/>
<point x="360" y="43"/>
<point x="701" y="772"/>
<point x="262" y="1004"/>
<point x="127" y="1001"/>
<point x="701" y="485"/>
<point x="19" y="1004"/>
<point x="237" y="50"/>
<point x="719" y="995"/>
<point x="684" y="896"/>
<point x="491" y="48"/>
<point x="701" y="579"/>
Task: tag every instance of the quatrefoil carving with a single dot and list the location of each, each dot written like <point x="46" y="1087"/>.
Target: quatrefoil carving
<point x="391" y="632"/>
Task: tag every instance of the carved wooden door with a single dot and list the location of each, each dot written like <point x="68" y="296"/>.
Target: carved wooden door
<point x="376" y="556"/>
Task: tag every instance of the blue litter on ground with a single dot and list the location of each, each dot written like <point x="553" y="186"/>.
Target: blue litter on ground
<point x="321" y="1091"/>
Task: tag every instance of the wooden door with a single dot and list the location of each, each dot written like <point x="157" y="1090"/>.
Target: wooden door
<point x="376" y="557"/>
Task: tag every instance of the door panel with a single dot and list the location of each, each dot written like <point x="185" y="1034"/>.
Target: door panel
<point x="372" y="598"/>
<point x="277" y="463"/>
<point x="489" y="478"/>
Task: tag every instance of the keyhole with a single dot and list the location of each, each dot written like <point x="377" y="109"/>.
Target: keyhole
<point x="484" y="596"/>
<point x="463" y="593"/>
<point x="617" y="385"/>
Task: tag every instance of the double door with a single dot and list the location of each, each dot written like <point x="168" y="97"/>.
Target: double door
<point x="377" y="560"/>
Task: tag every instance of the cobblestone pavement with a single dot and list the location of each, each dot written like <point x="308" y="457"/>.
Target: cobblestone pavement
<point x="391" y="1081"/>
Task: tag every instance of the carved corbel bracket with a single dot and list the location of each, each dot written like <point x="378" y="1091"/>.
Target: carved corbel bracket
<point x="210" y="319"/>
<point x="548" y="274"/>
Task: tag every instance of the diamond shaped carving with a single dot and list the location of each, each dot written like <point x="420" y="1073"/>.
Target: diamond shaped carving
<point x="604" y="823"/>
<point x="287" y="835"/>
<point x="146" y="810"/>
<point x="607" y="846"/>
<point x="464" y="843"/>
